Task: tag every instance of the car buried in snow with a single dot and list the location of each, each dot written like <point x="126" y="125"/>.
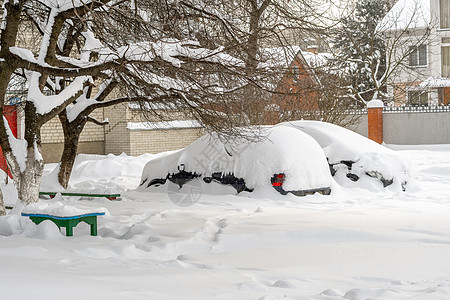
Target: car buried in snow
<point x="283" y="157"/>
<point x="354" y="157"/>
<point x="300" y="158"/>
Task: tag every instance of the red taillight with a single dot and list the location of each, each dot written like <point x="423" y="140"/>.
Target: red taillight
<point x="278" y="180"/>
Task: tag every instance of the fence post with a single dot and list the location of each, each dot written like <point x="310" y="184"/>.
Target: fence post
<point x="375" y="120"/>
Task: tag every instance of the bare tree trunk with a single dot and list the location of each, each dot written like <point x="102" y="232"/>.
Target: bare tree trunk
<point x="24" y="157"/>
<point x="72" y="134"/>
<point x="30" y="180"/>
<point x="249" y="102"/>
<point x="2" y="204"/>
<point x="68" y="158"/>
<point x="27" y="175"/>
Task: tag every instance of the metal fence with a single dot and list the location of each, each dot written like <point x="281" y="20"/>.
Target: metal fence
<point x="403" y="109"/>
<point x="411" y="125"/>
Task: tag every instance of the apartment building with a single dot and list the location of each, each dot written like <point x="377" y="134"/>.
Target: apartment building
<point x="422" y="29"/>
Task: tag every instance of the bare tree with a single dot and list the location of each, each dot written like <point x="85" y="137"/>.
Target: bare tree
<point x="74" y="55"/>
<point x="203" y="57"/>
<point x="242" y="29"/>
<point x="265" y="35"/>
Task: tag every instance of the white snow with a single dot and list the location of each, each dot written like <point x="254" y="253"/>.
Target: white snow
<point x="18" y="146"/>
<point x="407" y="14"/>
<point x="282" y="57"/>
<point x="45" y="104"/>
<point x="375" y="104"/>
<point x="164" y="125"/>
<point x="58" y="209"/>
<point x="23" y="53"/>
<point x="4" y="15"/>
<point x="340" y="144"/>
<point x="356" y="243"/>
<point x="281" y="150"/>
<point x="317" y="60"/>
<point x="435" y="82"/>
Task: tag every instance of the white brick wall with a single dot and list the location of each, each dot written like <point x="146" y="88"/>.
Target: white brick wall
<point x="117" y="139"/>
<point x="155" y="141"/>
<point x="52" y="131"/>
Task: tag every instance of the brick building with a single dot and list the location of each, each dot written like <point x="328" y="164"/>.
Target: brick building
<point x="127" y="132"/>
<point x="423" y="30"/>
<point x="297" y="91"/>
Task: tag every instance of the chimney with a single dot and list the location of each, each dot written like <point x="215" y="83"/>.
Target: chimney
<point x="375" y="120"/>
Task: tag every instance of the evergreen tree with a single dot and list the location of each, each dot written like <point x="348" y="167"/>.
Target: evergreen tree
<point x="360" y="50"/>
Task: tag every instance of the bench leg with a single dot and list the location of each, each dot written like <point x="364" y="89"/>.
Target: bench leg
<point x="94" y="228"/>
<point x="70" y="224"/>
<point x="69" y="230"/>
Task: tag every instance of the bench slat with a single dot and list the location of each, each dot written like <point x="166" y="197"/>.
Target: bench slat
<point x="109" y="196"/>
<point x="63" y="218"/>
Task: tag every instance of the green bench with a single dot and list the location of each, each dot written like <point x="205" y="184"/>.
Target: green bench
<point x="68" y="222"/>
<point x="108" y="196"/>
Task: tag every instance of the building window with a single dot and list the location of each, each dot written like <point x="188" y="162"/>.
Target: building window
<point x="418" y="98"/>
<point x="445" y="61"/>
<point x="418" y="56"/>
<point x="444" y="14"/>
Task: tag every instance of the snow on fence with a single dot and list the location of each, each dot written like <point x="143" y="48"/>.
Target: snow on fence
<point x="403" y="109"/>
<point x="410" y="125"/>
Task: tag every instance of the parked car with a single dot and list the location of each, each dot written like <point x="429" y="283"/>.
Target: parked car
<point x="286" y="158"/>
<point x="356" y="155"/>
<point x="299" y="157"/>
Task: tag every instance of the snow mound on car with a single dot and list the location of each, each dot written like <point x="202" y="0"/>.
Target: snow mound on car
<point x="281" y="150"/>
<point x="365" y="156"/>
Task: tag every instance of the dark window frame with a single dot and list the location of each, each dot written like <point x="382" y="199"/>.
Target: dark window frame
<point x="444" y="14"/>
<point x="418" y="98"/>
<point x="418" y="56"/>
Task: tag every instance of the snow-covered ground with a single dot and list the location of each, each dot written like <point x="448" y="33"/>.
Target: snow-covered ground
<point x="357" y="243"/>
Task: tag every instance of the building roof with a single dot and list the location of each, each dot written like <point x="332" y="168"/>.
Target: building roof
<point x="282" y="57"/>
<point x="435" y="82"/>
<point x="407" y="14"/>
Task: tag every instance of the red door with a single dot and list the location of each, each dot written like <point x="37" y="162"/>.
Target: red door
<point x="10" y="113"/>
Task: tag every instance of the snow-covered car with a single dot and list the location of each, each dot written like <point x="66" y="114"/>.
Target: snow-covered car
<point x="355" y="156"/>
<point x="286" y="158"/>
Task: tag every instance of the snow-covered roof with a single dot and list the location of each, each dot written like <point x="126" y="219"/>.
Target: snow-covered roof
<point x="316" y="60"/>
<point x="407" y="14"/>
<point x="435" y="82"/>
<point x="282" y="57"/>
<point x="153" y="106"/>
<point x="278" y="57"/>
<point x="177" y="124"/>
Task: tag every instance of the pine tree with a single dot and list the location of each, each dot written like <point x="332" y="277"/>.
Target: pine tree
<point x="360" y="50"/>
